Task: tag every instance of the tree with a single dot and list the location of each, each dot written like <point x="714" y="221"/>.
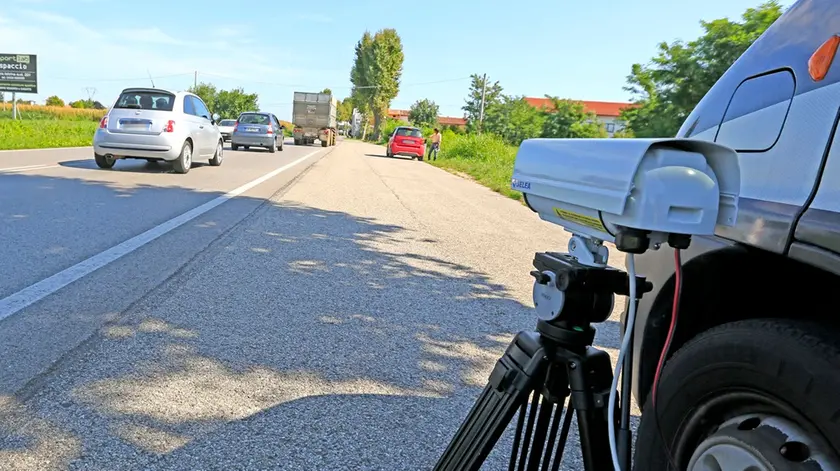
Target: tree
<point x="344" y="109"/>
<point x="680" y="75"/>
<point x="424" y="113"/>
<point x="376" y="73"/>
<point x="233" y="102"/>
<point x="227" y="103"/>
<point x="569" y="119"/>
<point x="207" y="92"/>
<point x="514" y="120"/>
<point x="85" y="104"/>
<point x="472" y="108"/>
<point x="54" y="101"/>
<point x="327" y="91"/>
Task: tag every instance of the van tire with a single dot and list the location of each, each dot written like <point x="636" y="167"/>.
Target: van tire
<point x="792" y="367"/>
<point x="183" y="163"/>
<point x="103" y="161"/>
<point x="218" y="156"/>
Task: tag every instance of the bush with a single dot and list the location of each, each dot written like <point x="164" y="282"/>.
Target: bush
<point x="486" y="158"/>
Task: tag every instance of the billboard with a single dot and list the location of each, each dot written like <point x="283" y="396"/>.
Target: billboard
<point x="18" y="73"/>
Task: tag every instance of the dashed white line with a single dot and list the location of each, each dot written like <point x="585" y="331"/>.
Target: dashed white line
<point x="27" y="168"/>
<point x="40" y="290"/>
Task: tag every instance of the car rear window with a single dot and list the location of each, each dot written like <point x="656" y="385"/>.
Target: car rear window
<point x="408" y="132"/>
<point x="253" y="118"/>
<point x="227" y="122"/>
<point x="142" y="100"/>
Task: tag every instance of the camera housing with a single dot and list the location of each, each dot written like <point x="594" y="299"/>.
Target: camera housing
<point x="631" y="192"/>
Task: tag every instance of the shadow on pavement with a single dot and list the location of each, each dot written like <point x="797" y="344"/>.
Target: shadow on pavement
<point x="396" y="157"/>
<point x="302" y="339"/>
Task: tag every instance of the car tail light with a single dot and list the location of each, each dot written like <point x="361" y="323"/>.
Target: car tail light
<point x="103" y="123"/>
<point x="170" y="126"/>
<point x="270" y="131"/>
<point x="235" y="126"/>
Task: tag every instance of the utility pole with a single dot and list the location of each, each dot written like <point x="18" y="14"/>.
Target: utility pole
<point x="483" y="95"/>
<point x="195" y="80"/>
<point x="14" y="106"/>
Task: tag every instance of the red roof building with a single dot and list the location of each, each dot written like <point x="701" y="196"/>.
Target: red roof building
<point x="606" y="111"/>
<point x="443" y="120"/>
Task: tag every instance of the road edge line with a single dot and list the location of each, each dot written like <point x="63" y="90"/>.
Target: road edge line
<point x="33" y="293"/>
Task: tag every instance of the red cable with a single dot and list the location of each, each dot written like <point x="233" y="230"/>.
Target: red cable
<point x="673" y="322"/>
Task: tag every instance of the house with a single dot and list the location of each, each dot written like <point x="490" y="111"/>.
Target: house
<point x="608" y="112"/>
<point x="402" y="115"/>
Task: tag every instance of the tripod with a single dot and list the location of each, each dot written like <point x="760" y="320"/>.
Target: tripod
<point x="555" y="362"/>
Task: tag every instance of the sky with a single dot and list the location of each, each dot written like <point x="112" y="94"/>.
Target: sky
<point x="572" y="49"/>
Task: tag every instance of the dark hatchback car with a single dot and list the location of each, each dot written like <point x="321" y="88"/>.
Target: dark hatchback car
<point x="257" y="129"/>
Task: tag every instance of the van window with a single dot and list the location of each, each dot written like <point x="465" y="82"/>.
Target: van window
<point x="409" y="132"/>
<point x="146" y="100"/>
<point x="757" y="112"/>
<point x="253" y="118"/>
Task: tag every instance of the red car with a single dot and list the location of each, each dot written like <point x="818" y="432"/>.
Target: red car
<point x="407" y="141"/>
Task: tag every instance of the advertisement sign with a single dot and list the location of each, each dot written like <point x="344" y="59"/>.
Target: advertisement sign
<point x="18" y="73"/>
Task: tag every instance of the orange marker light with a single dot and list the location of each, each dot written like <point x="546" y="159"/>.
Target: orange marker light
<point x="821" y="60"/>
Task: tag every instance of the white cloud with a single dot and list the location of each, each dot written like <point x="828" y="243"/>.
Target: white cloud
<point x="99" y="55"/>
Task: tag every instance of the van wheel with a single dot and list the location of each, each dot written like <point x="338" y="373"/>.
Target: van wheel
<point x="234" y="146"/>
<point x="219" y="156"/>
<point x="754" y="394"/>
<point x="103" y="161"/>
<point x="184" y="161"/>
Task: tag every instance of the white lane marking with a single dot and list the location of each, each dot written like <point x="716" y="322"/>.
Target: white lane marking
<point x="26" y="168"/>
<point x="44" y="149"/>
<point x="40" y="290"/>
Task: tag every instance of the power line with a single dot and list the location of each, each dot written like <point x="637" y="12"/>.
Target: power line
<point x="196" y="73"/>
<point x="117" y="79"/>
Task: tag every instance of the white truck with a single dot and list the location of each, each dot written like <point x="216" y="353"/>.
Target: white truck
<point x="314" y="117"/>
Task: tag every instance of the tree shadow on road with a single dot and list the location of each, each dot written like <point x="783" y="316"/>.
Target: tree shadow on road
<point x="303" y="339"/>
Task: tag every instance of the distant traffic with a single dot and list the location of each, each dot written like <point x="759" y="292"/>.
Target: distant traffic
<point x="159" y="125"/>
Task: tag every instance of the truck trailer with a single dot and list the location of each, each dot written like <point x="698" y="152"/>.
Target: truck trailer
<point x="314" y="117"/>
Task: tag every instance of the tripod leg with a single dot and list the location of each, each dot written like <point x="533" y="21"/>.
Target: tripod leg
<point x="590" y="384"/>
<point x="564" y="435"/>
<point x="514" y="377"/>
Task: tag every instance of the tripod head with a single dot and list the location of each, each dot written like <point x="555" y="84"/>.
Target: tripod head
<point x="576" y="289"/>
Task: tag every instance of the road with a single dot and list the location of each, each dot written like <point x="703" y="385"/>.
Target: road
<point x="308" y="309"/>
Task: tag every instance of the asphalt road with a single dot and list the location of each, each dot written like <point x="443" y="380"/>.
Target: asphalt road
<point x="342" y="313"/>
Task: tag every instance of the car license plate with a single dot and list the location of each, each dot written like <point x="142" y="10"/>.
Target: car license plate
<point x="252" y="129"/>
<point x="408" y="141"/>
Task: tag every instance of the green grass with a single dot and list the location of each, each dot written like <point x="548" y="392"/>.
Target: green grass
<point x="484" y="158"/>
<point x="43" y="133"/>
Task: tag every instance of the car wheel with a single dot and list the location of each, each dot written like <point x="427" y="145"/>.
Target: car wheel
<point x="234" y="147"/>
<point x="273" y="147"/>
<point x="184" y="161"/>
<point x="246" y="147"/>
<point x="388" y="152"/>
<point x="103" y="161"/>
<point x="219" y="156"/>
<point x="759" y="393"/>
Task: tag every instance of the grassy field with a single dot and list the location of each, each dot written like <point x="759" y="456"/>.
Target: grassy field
<point x="39" y="127"/>
<point x="484" y="158"/>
